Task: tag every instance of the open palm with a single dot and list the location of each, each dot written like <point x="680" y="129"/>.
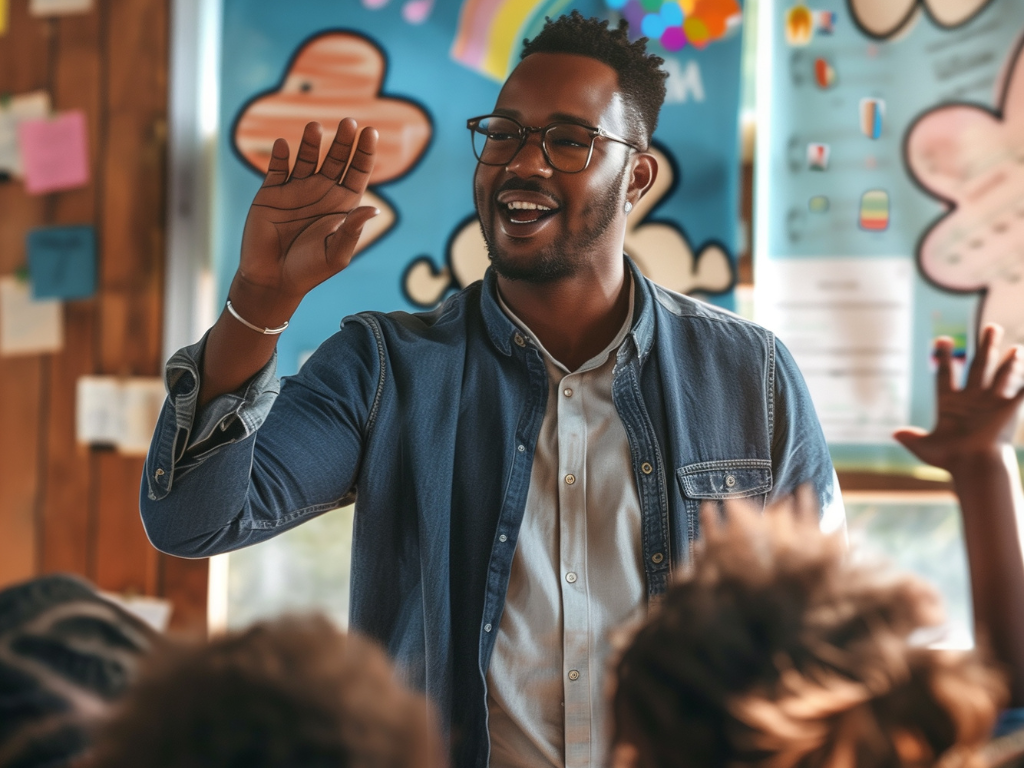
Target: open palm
<point x="977" y="418"/>
<point x="303" y="228"/>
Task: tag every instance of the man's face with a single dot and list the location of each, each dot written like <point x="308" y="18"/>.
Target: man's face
<point x="585" y="208"/>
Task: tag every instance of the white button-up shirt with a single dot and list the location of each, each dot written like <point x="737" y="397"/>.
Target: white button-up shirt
<point x="577" y="573"/>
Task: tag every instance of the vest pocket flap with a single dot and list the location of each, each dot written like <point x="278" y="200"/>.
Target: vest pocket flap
<point x="728" y="479"/>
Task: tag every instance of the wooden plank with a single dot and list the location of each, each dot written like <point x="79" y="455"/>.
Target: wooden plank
<point x="24" y="66"/>
<point x="125" y="561"/>
<point x="185" y="584"/>
<point x="67" y="504"/>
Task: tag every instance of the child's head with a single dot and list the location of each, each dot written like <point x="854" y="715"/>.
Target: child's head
<point x="775" y="650"/>
<point x="295" y="692"/>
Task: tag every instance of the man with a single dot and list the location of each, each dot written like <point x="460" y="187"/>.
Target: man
<point x="529" y="458"/>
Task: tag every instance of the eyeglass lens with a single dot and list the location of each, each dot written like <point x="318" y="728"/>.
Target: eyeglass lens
<point x="496" y="140"/>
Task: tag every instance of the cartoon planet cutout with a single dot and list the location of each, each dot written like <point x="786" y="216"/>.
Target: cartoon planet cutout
<point x="334" y="76"/>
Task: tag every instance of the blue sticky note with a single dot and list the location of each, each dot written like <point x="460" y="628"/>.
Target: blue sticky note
<point x="62" y="262"/>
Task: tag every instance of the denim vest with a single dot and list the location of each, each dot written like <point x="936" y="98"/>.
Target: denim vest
<point x="429" y="422"/>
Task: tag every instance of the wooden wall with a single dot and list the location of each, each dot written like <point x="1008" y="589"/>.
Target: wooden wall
<point x="64" y="507"/>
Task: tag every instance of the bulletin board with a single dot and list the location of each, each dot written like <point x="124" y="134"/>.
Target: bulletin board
<point x="889" y="200"/>
<point x="425" y="67"/>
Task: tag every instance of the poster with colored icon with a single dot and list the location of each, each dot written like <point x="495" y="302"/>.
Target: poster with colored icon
<point x="417" y="70"/>
<point x="914" y="228"/>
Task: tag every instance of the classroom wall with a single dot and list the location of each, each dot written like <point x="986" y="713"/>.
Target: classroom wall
<point x="65" y="507"/>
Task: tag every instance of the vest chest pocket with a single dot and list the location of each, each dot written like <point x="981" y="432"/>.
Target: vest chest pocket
<point x="726" y="479"/>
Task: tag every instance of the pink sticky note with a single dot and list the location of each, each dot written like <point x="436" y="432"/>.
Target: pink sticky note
<point x="54" y="152"/>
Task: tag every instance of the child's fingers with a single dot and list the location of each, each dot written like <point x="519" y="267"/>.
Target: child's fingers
<point x="980" y="372"/>
<point x="944" y="361"/>
<point x="1008" y="376"/>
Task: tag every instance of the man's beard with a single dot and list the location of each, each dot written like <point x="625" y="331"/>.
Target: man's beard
<point x="560" y="260"/>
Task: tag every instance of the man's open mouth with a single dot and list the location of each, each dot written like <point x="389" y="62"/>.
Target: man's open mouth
<point x="521" y="212"/>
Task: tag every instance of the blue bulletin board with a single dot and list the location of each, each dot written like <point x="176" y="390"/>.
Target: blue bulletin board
<point x="889" y="200"/>
<point x="417" y="70"/>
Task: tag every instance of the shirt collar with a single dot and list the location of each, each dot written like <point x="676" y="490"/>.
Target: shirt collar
<point x="501" y="329"/>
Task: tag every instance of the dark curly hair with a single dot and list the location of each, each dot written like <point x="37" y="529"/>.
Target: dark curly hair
<point x="776" y="651"/>
<point x="641" y="78"/>
<point x="293" y="692"/>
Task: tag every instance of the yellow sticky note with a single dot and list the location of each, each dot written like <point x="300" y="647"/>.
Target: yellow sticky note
<point x="4" y="14"/>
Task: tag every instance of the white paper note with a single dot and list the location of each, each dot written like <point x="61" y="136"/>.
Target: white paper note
<point x="117" y="412"/>
<point x="848" y="323"/>
<point x="28" y="327"/>
<point x="29" y="106"/>
<point x="58" y="7"/>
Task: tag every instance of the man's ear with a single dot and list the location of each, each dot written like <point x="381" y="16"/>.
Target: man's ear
<point x="624" y="754"/>
<point x="642" y="176"/>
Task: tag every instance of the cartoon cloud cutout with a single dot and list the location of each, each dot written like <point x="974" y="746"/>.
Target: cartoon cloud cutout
<point x="885" y="18"/>
<point x="660" y="249"/>
<point x="333" y="76"/>
<point x="973" y="160"/>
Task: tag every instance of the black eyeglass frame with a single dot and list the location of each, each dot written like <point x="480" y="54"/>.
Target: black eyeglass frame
<point x="524" y="134"/>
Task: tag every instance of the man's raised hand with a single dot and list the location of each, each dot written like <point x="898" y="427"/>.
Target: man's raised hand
<point x="303" y="228"/>
<point x="976" y="419"/>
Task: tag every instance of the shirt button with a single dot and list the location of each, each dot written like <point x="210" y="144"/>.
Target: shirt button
<point x="521" y="448"/>
<point x="574" y="674"/>
<point x="646" y="468"/>
<point x="519" y="340"/>
<point x="567" y="392"/>
<point x="657" y="557"/>
<point x="730" y="481"/>
<point x="570" y="479"/>
<point x="487" y="627"/>
<point x="570" y="577"/>
<point x="158" y="473"/>
<point x="503" y="538"/>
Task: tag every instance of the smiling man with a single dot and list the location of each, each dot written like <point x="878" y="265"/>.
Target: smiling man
<point x="528" y="460"/>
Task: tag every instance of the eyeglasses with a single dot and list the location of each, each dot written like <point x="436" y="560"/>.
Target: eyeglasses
<point x="567" y="147"/>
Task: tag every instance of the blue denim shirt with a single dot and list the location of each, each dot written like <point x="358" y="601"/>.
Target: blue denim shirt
<point x="430" y="420"/>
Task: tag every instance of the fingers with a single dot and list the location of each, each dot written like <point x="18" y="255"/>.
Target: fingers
<point x="944" y="361"/>
<point x="277" y="171"/>
<point x="342" y="243"/>
<point x="984" y="361"/>
<point x="309" y="151"/>
<point x="908" y="437"/>
<point x="341" y="148"/>
<point x="357" y="176"/>
<point x="1007" y="380"/>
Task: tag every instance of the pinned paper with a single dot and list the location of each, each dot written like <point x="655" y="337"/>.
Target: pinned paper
<point x="58" y="7"/>
<point x="62" y="262"/>
<point x="54" y="153"/>
<point x="817" y="156"/>
<point x="120" y="413"/>
<point x="28" y="327"/>
<point x="29" y="106"/>
<point x="874" y="210"/>
<point x="799" y="25"/>
<point x="872" y="113"/>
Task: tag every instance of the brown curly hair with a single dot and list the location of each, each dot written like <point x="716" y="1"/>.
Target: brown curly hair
<point x="294" y="693"/>
<point x="775" y="650"/>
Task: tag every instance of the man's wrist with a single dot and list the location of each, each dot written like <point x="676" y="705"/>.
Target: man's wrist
<point x="261" y="306"/>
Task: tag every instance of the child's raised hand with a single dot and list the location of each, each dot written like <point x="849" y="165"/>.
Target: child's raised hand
<point x="979" y="418"/>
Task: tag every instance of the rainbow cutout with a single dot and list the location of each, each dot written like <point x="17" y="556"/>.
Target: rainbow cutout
<point x="491" y="31"/>
<point x="874" y="210"/>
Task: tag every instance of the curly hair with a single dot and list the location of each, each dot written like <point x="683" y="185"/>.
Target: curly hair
<point x="776" y="651"/>
<point x="641" y="78"/>
<point x="294" y="692"/>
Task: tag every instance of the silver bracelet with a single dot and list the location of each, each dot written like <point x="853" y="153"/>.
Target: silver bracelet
<point x="247" y="324"/>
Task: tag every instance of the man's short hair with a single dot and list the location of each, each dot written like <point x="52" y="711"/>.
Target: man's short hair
<point x="295" y="692"/>
<point x="641" y="78"/>
<point x="776" y="650"/>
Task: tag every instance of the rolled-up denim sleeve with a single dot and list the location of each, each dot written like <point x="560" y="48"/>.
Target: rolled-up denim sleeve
<point x="800" y="455"/>
<point x="186" y="434"/>
<point x="256" y="462"/>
